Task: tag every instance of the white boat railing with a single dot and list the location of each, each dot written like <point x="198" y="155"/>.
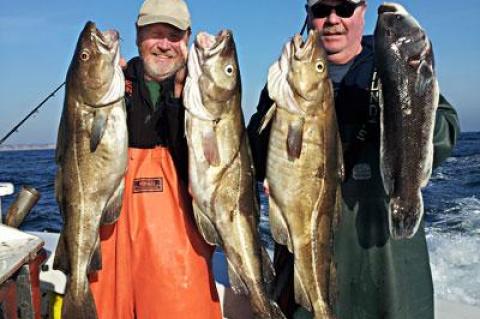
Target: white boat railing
<point x="5" y="190"/>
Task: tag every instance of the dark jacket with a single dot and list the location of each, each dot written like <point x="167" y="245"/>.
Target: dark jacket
<point x="377" y="277"/>
<point x="160" y="125"/>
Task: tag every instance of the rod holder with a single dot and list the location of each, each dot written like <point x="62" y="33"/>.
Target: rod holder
<point x="26" y="199"/>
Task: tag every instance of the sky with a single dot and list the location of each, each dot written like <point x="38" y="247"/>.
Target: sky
<point x="37" y="39"/>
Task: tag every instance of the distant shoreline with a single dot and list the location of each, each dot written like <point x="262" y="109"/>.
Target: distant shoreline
<point x="26" y="147"/>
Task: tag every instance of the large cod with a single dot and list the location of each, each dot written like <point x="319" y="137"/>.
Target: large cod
<point x="91" y="157"/>
<point x="305" y="169"/>
<point x="408" y="103"/>
<point x="221" y="172"/>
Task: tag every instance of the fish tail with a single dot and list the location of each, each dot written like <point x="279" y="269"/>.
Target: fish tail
<point x="79" y="305"/>
<point x="405" y="216"/>
<point x="275" y="311"/>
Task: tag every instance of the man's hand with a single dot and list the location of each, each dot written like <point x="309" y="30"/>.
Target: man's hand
<point x="123" y="63"/>
<point x="266" y="188"/>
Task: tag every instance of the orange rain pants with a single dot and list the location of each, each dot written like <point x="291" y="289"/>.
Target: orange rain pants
<point x="155" y="264"/>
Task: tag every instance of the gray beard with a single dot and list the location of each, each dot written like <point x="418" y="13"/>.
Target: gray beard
<point x="158" y="74"/>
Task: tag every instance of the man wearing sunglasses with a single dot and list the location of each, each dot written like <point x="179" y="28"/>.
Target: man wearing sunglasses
<point x="377" y="277"/>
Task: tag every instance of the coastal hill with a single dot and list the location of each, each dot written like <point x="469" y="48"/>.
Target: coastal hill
<point x="26" y="147"/>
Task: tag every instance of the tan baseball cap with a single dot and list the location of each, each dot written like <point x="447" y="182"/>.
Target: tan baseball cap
<point x="313" y="2"/>
<point x="174" y="12"/>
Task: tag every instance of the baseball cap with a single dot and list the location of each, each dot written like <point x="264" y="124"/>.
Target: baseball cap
<point x="174" y="12"/>
<point x="313" y="2"/>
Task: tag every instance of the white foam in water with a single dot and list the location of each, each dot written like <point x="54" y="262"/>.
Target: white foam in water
<point x="455" y="257"/>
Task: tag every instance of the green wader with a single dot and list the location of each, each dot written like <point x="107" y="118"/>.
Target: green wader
<point x="380" y="278"/>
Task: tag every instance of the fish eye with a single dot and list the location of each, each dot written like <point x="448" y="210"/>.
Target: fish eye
<point x="320" y="67"/>
<point x="84" y="55"/>
<point x="229" y="70"/>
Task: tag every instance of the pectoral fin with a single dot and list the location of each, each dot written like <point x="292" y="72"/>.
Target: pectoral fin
<point x="98" y="129"/>
<point x="295" y="138"/>
<point x="424" y="78"/>
<point x="267" y="118"/>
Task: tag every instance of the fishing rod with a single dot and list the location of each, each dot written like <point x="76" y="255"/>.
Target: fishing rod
<point x="30" y="114"/>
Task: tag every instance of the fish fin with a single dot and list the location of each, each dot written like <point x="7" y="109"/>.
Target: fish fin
<point x="301" y="296"/>
<point x="206" y="226"/>
<point x="295" y="138"/>
<point x="59" y="189"/>
<point x="112" y="210"/>
<point x="276" y="311"/>
<point x="341" y="165"/>
<point x="60" y="147"/>
<point x="96" y="261"/>
<point x="60" y="262"/>
<point x="98" y="129"/>
<point x="332" y="284"/>
<point x="404" y="217"/>
<point x="425" y="77"/>
<point x="267" y="268"/>
<point x="268" y="117"/>
<point x="210" y="147"/>
<point x="278" y="225"/>
<point x="236" y="283"/>
<point x="80" y="305"/>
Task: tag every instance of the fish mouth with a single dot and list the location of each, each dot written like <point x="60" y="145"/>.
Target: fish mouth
<point x="304" y="49"/>
<point x="106" y="40"/>
<point x="396" y="20"/>
<point x="109" y="38"/>
<point x="211" y="44"/>
<point x="392" y="8"/>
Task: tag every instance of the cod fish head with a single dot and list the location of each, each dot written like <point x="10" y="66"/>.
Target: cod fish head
<point x="216" y="64"/>
<point x="95" y="73"/>
<point x="308" y="72"/>
<point x="399" y="30"/>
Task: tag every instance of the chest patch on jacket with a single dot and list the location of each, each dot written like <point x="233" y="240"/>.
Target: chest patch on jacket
<point x="148" y="185"/>
<point x="362" y="172"/>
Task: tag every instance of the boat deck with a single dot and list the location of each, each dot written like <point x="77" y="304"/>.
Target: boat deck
<point x="16" y="249"/>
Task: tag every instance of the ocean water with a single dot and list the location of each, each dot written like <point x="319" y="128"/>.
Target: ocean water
<point x="452" y="205"/>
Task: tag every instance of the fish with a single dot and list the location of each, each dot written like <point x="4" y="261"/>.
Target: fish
<point x="221" y="174"/>
<point x="91" y="158"/>
<point x="409" y="96"/>
<point x="305" y="169"/>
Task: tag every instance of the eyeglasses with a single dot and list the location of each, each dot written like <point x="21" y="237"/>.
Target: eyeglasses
<point x="344" y="10"/>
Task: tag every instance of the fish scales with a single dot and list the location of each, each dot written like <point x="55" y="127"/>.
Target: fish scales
<point x="91" y="157"/>
<point x="304" y="169"/>
<point x="221" y="172"/>
<point x="409" y="99"/>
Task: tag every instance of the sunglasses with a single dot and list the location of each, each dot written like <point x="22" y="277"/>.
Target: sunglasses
<point x="344" y="10"/>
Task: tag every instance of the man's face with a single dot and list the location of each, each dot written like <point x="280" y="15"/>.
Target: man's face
<point x="340" y="36"/>
<point x="163" y="49"/>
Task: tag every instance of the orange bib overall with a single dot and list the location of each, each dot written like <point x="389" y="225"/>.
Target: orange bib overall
<point x="155" y="264"/>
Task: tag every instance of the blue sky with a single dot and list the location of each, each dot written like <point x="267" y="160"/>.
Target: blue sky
<point x="37" y="39"/>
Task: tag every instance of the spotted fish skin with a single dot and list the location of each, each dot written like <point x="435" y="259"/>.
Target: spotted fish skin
<point x="221" y="175"/>
<point x="409" y="97"/>
<point x="91" y="158"/>
<point x="304" y="169"/>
